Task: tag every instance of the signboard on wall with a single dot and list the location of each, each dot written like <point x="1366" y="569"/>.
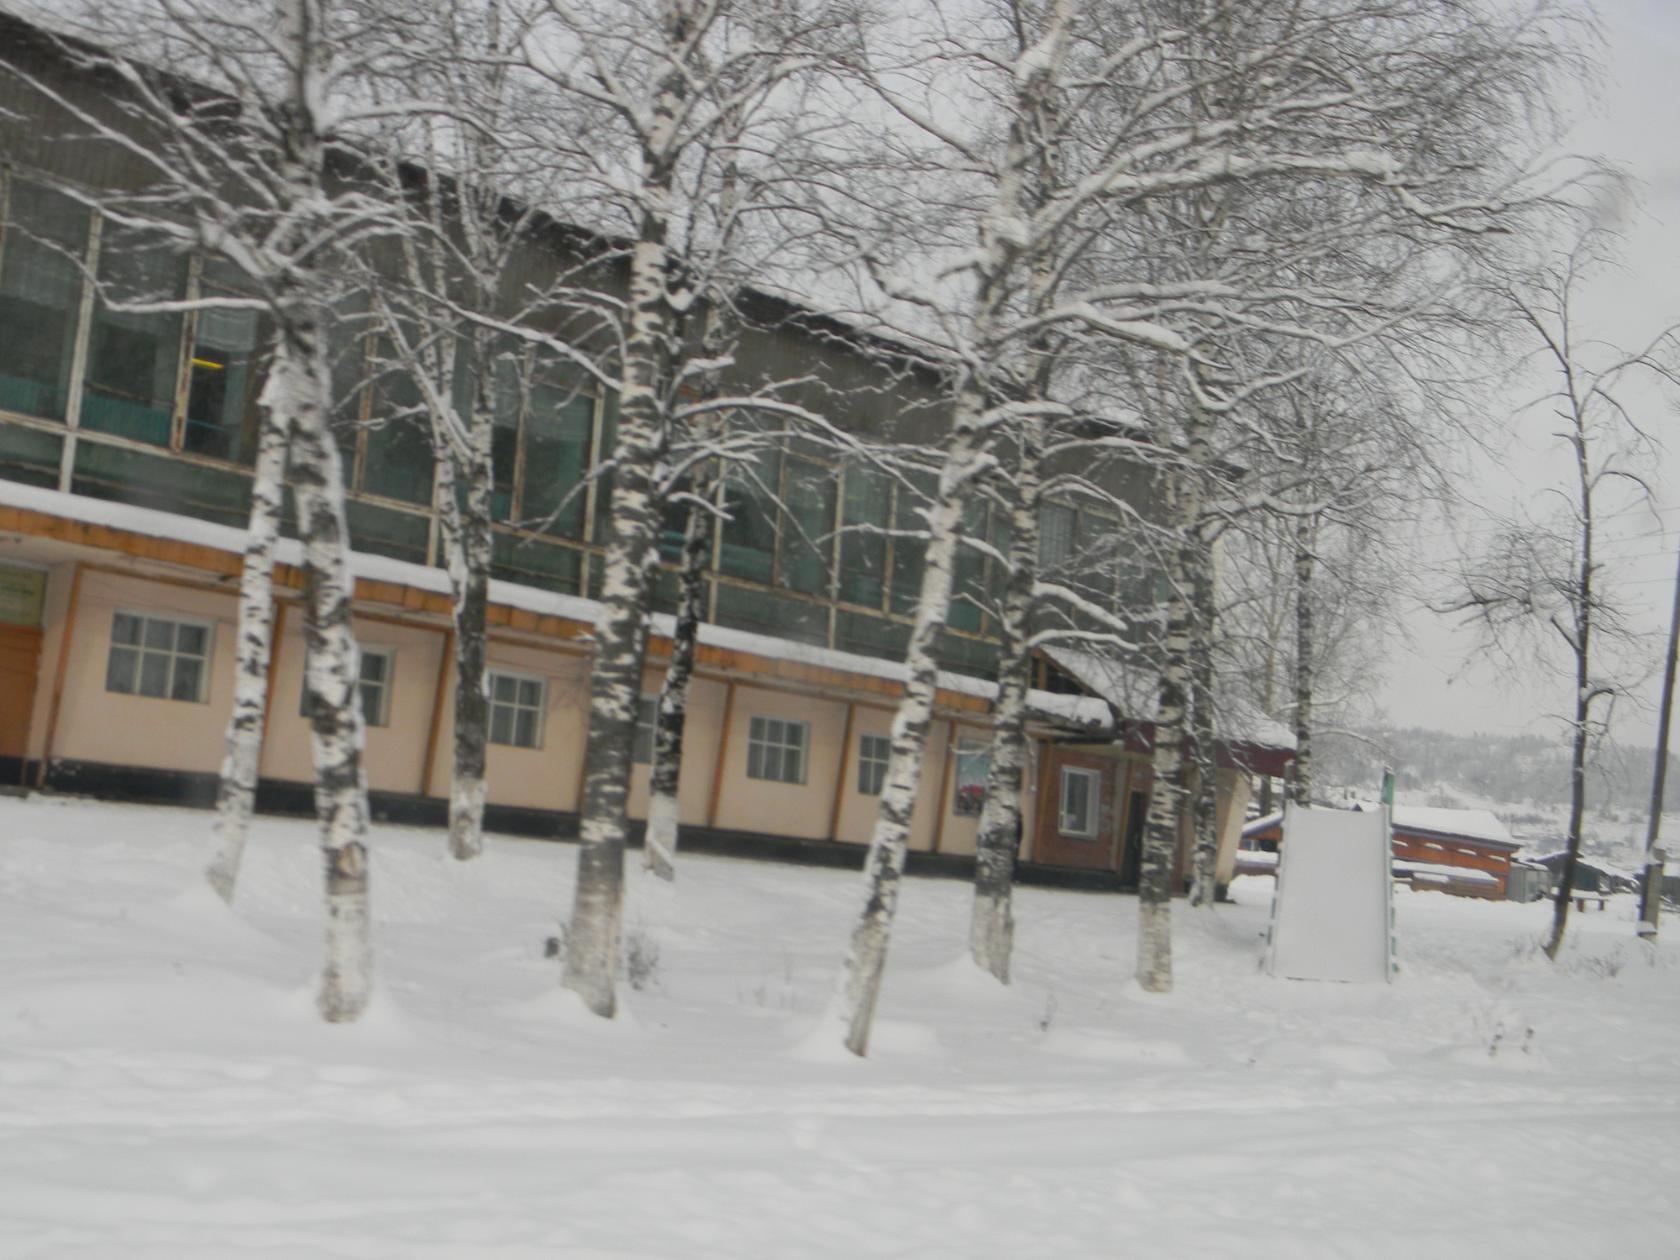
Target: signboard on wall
<point x="22" y="593"/>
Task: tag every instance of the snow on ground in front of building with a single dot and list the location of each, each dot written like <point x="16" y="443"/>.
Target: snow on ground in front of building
<point x="166" y="1090"/>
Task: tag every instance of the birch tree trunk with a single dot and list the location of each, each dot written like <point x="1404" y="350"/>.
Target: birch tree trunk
<point x="468" y="538"/>
<point x="884" y="866"/>
<point x="1161" y="828"/>
<point x="1581" y="642"/>
<point x="1204" y="877"/>
<point x="1301" y="782"/>
<point x="966" y="460"/>
<point x="660" y="846"/>
<point x="332" y="691"/>
<point x="236" y="793"/>
<point x="991" y="932"/>
<point x="592" y="938"/>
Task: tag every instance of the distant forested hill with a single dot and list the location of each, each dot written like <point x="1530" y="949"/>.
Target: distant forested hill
<point x="1509" y="768"/>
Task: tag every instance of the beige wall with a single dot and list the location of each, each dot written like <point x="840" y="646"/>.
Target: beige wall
<point x="785" y="809"/>
<point x="96" y="725"/>
<point x="394" y="753"/>
<point x="857" y="812"/>
<point x="536" y="778"/>
<point x="99" y="725"/>
<point x="706" y="700"/>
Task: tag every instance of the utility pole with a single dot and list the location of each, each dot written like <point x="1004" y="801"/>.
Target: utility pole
<point x="1650" y="890"/>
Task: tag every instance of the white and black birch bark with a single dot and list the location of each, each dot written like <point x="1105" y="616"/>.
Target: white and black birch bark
<point x="966" y="460"/>
<point x="660" y="847"/>
<point x="236" y="793"/>
<point x="1166" y="799"/>
<point x="468" y="545"/>
<point x="593" y="932"/>
<point x="1204" y="813"/>
<point x="1300" y="790"/>
<point x="991" y="931"/>
<point x="884" y="866"/>
<point x="332" y="692"/>
<point x="1581" y="641"/>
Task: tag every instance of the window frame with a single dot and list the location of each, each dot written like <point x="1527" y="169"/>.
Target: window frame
<point x="140" y="649"/>
<point x="540" y="708"/>
<point x="871" y="767"/>
<point x="387" y="654"/>
<point x="767" y="736"/>
<point x="971" y="750"/>
<point x="645" y="740"/>
<point x="365" y="650"/>
<point x="1093" y="802"/>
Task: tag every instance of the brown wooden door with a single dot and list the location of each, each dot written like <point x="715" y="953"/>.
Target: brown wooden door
<point x="20" y="661"/>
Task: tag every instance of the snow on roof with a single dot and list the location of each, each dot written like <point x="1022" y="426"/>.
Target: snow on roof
<point x="1465" y="824"/>
<point x="1264" y="823"/>
<point x="1130" y="688"/>
<point x="1432" y="873"/>
<point x="1079" y="711"/>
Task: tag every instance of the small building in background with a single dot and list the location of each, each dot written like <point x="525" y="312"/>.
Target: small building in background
<point x="1466" y="852"/>
<point x="1528" y="881"/>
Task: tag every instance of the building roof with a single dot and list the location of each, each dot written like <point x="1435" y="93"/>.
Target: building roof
<point x="1129" y="689"/>
<point x="1480" y="825"/>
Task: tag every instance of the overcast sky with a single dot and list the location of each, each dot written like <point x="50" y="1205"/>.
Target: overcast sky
<point x="1638" y="126"/>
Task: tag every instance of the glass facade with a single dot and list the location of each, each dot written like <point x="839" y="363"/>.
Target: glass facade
<point x="164" y="408"/>
<point x="42" y="243"/>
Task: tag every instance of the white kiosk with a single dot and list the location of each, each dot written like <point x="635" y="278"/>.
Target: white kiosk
<point x="1333" y="911"/>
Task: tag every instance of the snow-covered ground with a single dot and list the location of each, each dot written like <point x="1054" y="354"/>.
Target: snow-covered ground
<point x="166" y="1090"/>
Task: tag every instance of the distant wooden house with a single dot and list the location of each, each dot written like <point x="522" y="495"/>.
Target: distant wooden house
<point x="1466" y="852"/>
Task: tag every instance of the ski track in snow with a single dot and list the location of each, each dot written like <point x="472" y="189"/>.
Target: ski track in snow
<point x="167" y="1090"/>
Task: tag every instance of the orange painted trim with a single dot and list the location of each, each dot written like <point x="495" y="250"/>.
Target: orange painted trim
<point x="722" y="756"/>
<point x="60" y="670"/>
<point x="439" y="604"/>
<point x="840" y="779"/>
<point x="436" y="720"/>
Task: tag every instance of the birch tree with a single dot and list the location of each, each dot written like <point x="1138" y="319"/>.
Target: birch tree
<point x="462" y="320"/>
<point x="1543" y="582"/>
<point x="237" y="164"/>
<point x="1205" y="112"/>
<point x="663" y="77"/>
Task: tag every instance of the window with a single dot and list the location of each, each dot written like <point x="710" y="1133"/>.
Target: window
<point x="229" y="347"/>
<point x="863" y="540"/>
<point x="807" y="532"/>
<point x="158" y="657"/>
<point x="968" y="795"/>
<point x="647" y="719"/>
<point x="1055" y="535"/>
<point x="375" y="684"/>
<point x="559" y="421"/>
<point x="134" y="357"/>
<point x="516" y="709"/>
<point x="749" y="534"/>
<point x="41" y="243"/>
<point x="1080" y="790"/>
<point x="776" y="749"/>
<point x="874" y="751"/>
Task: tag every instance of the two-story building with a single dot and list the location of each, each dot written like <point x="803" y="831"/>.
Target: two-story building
<point x="126" y="443"/>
